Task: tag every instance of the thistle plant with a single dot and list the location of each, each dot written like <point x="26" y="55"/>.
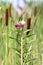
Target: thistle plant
<point x="20" y="25"/>
<point x="20" y="37"/>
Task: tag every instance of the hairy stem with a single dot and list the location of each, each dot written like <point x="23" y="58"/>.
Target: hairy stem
<point x="22" y="50"/>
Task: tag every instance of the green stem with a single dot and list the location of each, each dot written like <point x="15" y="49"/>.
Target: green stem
<point x="6" y="54"/>
<point x="21" y="50"/>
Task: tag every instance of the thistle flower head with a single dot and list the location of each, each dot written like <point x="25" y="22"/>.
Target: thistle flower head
<point x="19" y="24"/>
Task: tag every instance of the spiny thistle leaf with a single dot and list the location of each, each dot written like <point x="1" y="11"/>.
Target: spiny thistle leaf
<point x="15" y="39"/>
<point x="17" y="51"/>
<point x="27" y="30"/>
<point x="28" y="36"/>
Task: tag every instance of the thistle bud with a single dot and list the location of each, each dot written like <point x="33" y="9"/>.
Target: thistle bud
<point x="6" y="15"/>
<point x="35" y="11"/>
<point x="28" y="24"/>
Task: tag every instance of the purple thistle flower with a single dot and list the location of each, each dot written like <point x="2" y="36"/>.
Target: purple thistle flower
<point x="19" y="24"/>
